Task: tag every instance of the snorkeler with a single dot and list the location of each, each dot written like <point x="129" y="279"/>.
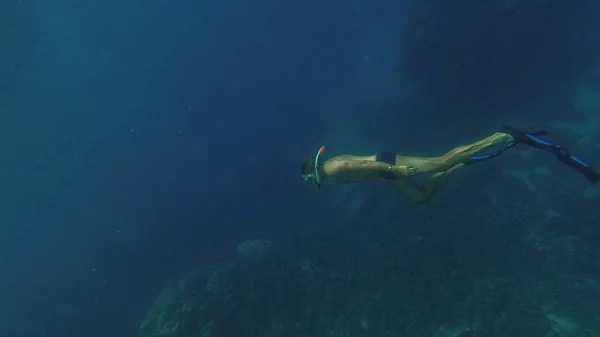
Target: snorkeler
<point x="397" y="169"/>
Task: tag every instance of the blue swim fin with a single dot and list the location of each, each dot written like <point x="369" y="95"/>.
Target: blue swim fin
<point x="561" y="153"/>
<point x="578" y="164"/>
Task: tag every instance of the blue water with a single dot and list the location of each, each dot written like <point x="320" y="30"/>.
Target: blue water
<point x="143" y="138"/>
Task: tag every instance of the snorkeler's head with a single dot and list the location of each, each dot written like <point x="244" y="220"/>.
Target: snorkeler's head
<point x="310" y="168"/>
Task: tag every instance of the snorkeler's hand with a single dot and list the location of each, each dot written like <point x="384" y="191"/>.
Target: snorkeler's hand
<point x="403" y="170"/>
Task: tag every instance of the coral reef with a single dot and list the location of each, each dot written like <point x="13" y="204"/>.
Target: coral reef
<point x="413" y="288"/>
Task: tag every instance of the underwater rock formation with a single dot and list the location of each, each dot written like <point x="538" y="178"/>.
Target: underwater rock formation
<point x="414" y="288"/>
<point x="258" y="291"/>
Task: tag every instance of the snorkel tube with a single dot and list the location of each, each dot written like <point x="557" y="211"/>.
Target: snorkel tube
<point x="317" y="164"/>
<point x="315" y="174"/>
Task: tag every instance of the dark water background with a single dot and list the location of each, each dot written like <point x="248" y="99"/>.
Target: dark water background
<point x="141" y="138"/>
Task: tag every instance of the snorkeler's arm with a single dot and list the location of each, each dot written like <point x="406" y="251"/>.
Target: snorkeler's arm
<point x="376" y="166"/>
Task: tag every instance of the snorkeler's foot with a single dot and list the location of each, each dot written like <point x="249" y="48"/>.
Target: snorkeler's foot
<point x="483" y="157"/>
<point x="527" y="138"/>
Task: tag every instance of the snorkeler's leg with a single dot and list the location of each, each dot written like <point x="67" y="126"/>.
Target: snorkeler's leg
<point x="438" y="180"/>
<point x="410" y="189"/>
<point x="423" y="194"/>
<point x="455" y="156"/>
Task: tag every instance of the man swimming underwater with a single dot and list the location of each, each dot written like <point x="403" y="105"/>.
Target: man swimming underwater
<point x="397" y="169"/>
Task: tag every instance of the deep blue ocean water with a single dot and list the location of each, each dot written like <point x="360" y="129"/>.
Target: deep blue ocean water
<point x="142" y="138"/>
